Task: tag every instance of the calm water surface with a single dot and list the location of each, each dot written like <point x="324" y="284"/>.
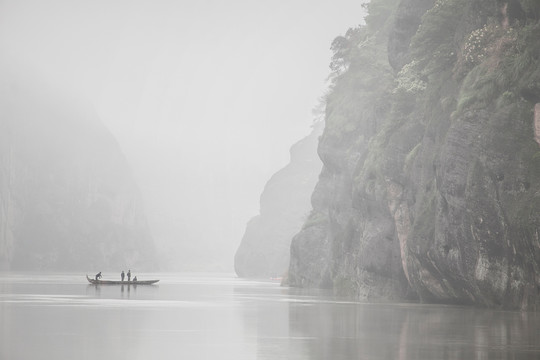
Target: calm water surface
<point x="61" y="317"/>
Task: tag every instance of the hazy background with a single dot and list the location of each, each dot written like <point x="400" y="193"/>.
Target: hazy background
<point x="204" y="97"/>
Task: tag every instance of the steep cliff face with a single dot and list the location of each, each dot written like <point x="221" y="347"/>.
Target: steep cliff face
<point x="67" y="198"/>
<point x="285" y="202"/>
<point x="348" y="241"/>
<point x="446" y="191"/>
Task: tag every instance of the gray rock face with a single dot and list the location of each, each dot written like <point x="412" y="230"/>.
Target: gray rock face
<point x="67" y="197"/>
<point x="478" y="242"/>
<point x="264" y="250"/>
<point x="439" y="199"/>
<point x="348" y="241"/>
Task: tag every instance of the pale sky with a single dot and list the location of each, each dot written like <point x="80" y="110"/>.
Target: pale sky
<point x="204" y="97"/>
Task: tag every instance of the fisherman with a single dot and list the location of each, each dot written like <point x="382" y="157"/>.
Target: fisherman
<point x="98" y="275"/>
<point x="135" y="279"/>
<point x="129" y="275"/>
<point x="122" y="275"/>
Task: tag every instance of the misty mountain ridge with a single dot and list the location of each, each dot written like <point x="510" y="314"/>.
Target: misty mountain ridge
<point x="284" y="205"/>
<point x="68" y="199"/>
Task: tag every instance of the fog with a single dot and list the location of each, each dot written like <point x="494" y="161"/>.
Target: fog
<point x="205" y="98"/>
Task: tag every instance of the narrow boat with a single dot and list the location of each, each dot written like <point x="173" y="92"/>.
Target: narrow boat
<point x="113" y="282"/>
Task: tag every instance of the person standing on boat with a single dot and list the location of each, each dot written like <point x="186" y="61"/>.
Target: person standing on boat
<point x="129" y="275"/>
<point x="122" y="275"/>
<point x="98" y="275"/>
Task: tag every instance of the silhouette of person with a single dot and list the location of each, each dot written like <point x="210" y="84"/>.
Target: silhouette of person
<point x="98" y="275"/>
<point x="135" y="278"/>
<point x="122" y="275"/>
<point x="129" y="274"/>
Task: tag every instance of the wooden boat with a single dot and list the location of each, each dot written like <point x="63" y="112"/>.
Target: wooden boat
<point x="113" y="282"/>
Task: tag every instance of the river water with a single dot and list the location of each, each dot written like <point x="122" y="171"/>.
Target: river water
<point x="208" y="316"/>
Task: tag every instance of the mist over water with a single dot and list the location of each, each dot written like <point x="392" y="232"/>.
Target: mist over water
<point x="129" y="124"/>
<point x="204" y="98"/>
<point x="208" y="316"/>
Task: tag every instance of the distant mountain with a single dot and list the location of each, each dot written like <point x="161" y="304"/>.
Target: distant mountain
<point x="285" y="203"/>
<point x="68" y="200"/>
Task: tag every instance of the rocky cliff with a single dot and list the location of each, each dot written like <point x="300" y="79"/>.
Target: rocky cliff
<point x="285" y="203"/>
<point x="67" y="197"/>
<point x="430" y="183"/>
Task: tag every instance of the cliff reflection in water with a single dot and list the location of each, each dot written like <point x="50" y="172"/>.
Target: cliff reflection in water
<point x="201" y="317"/>
<point x="409" y="331"/>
